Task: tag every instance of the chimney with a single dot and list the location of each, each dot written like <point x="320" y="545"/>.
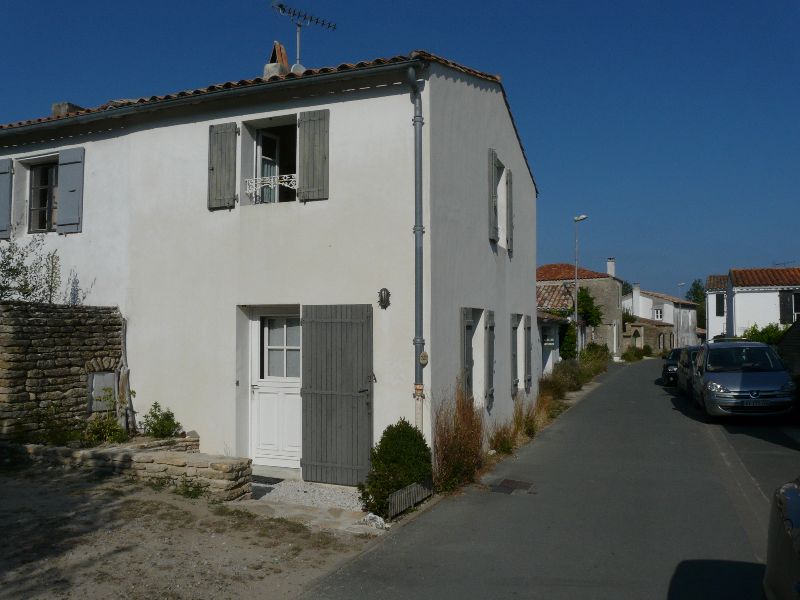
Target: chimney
<point x="278" y="61"/>
<point x="635" y="300"/>
<point x="62" y="109"/>
<point x="611" y="266"/>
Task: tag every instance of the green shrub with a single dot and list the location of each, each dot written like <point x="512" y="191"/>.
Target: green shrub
<point x="401" y="458"/>
<point x="632" y="354"/>
<point x="501" y="439"/>
<point x="188" y="488"/>
<point x="458" y="432"/>
<point x="160" y="423"/>
<point x="647" y="350"/>
<point x="769" y="334"/>
<point x="104" y="428"/>
<point x="568" y="342"/>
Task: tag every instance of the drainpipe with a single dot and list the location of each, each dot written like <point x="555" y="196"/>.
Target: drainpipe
<point x="419" y="341"/>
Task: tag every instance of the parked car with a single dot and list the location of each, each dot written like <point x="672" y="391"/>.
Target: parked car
<point x="669" y="374"/>
<point x="741" y="378"/>
<point x="782" y="575"/>
<point x="685" y="367"/>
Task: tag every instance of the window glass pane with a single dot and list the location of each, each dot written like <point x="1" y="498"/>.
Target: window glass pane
<point x="275" y="362"/>
<point x="293" y="363"/>
<point x="39" y="198"/>
<point x="38" y="220"/>
<point x="292" y="332"/>
<point x="275" y="327"/>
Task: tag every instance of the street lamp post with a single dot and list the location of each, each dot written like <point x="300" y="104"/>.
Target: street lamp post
<point x="577" y="220"/>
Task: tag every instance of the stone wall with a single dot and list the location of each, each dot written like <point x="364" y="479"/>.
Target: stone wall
<point x="607" y="292"/>
<point x="220" y="478"/>
<point x="46" y="354"/>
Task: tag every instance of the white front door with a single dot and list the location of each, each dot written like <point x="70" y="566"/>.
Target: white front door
<point x="276" y="414"/>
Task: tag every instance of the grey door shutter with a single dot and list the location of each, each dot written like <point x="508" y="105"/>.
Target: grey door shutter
<point x="515" y="320"/>
<point x="222" y="166"/>
<point x="785" y="303"/>
<point x="489" y="354"/>
<point x="70" y="191"/>
<point x="6" y="174"/>
<point x="494" y="234"/>
<point x="467" y="330"/>
<point x="312" y="173"/>
<point x="509" y="212"/>
<point x="337" y="393"/>
<point x="528" y="348"/>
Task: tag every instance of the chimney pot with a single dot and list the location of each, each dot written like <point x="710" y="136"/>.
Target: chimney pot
<point x="611" y="266"/>
<point x="62" y="109"/>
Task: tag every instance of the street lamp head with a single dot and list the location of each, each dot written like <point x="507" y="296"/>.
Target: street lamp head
<point x="580" y="218"/>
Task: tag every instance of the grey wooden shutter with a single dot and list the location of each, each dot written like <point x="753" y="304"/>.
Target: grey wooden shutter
<point x="489" y="355"/>
<point x="467" y="330"/>
<point x="312" y="173"/>
<point x="222" y="166"/>
<point x="6" y="175"/>
<point x="528" y="353"/>
<point x="337" y="393"/>
<point x="494" y="233"/>
<point x="720" y="304"/>
<point x="70" y="191"/>
<point x="515" y="320"/>
<point x="785" y="303"/>
<point x="509" y="212"/>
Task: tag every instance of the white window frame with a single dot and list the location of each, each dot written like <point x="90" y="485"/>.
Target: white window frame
<point x="265" y="347"/>
<point x="658" y="314"/>
<point x="261" y="134"/>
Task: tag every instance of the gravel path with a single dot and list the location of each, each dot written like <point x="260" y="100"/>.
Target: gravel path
<point x="307" y="494"/>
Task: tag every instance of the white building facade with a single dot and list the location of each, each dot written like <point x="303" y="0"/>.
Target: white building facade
<point x="761" y="297"/>
<point x="252" y="313"/>
<point x="716" y="305"/>
<point x="681" y="314"/>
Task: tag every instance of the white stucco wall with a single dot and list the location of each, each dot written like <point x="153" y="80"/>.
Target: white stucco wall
<point x="752" y="307"/>
<point x="714" y="325"/>
<point x="466" y="118"/>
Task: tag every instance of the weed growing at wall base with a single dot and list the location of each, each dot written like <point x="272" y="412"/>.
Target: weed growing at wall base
<point x="458" y="433"/>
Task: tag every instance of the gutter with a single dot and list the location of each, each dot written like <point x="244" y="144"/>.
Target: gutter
<point x="244" y="91"/>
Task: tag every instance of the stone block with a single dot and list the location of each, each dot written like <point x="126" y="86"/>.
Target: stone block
<point x="171" y="459"/>
<point x="155" y="468"/>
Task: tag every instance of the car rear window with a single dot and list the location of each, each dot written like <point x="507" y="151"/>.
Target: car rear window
<point x="743" y="358"/>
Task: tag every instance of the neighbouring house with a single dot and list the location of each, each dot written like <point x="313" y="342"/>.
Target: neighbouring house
<point x="258" y="237"/>
<point x="605" y="288"/>
<point x="716" y="301"/>
<point x="643" y="332"/>
<point x="789" y="348"/>
<point x="553" y="305"/>
<point x="679" y="314"/>
<point x="760" y="297"/>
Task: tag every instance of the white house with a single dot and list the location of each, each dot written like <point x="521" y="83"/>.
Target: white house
<point x="716" y="300"/>
<point x="246" y="229"/>
<point x="554" y="302"/>
<point x="762" y="296"/>
<point x="680" y="313"/>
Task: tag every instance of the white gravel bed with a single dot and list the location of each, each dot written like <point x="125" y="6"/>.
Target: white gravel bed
<point x="311" y="494"/>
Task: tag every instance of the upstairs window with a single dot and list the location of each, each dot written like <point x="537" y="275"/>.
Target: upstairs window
<point x="658" y="314"/>
<point x="720" y="298"/>
<point x="501" y="205"/>
<point x="796" y="307"/>
<point x="276" y="165"/>
<point x="43" y="203"/>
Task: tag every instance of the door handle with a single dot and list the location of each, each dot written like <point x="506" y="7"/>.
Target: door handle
<point x="365" y="390"/>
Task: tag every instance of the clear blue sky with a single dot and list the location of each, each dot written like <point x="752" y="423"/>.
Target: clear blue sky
<point x="673" y="125"/>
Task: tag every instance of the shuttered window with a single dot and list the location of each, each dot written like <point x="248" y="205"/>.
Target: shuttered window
<point x="528" y="354"/>
<point x="467" y="333"/>
<point x="786" y="309"/>
<point x="6" y="175"/>
<point x="720" y="298"/>
<point x="312" y="176"/>
<point x="222" y="166"/>
<point x="489" y="356"/>
<point x="515" y="321"/>
<point x="509" y="211"/>
<point x="68" y="209"/>
<point x="494" y="180"/>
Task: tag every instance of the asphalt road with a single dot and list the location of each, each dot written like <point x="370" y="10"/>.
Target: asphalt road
<point x="633" y="495"/>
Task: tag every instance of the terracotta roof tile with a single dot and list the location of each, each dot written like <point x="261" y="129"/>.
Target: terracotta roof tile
<point x="769" y="277"/>
<point x="565" y="272"/>
<point x="716" y="283"/>
<point x="554" y="297"/>
<point x="309" y="73"/>
<point x="668" y="298"/>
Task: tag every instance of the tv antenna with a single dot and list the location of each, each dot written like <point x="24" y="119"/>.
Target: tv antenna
<point x="301" y="19"/>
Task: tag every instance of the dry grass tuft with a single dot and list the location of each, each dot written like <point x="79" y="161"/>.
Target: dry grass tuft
<point x="458" y="433"/>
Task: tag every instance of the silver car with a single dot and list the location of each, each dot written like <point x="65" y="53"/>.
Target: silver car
<point x="741" y="378"/>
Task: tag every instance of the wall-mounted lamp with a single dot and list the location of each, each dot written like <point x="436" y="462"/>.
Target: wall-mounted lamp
<point x="383" y="298"/>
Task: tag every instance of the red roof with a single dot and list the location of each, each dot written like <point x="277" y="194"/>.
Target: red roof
<point x="554" y="297"/>
<point x="770" y="277"/>
<point x="668" y="298"/>
<point x="243" y="83"/>
<point x="716" y="283"/>
<point x="565" y="272"/>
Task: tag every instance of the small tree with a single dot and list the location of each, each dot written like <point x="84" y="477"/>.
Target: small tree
<point x="588" y="310"/>
<point x="697" y="294"/>
<point x="568" y="342"/>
